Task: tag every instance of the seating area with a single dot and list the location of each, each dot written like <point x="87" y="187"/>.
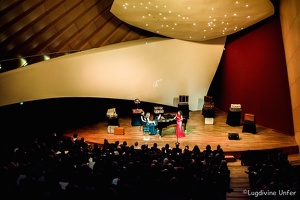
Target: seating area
<point x="272" y="173"/>
<point x="66" y="168"/>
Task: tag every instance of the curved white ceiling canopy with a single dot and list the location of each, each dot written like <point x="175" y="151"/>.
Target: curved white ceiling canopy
<point x="193" y="20"/>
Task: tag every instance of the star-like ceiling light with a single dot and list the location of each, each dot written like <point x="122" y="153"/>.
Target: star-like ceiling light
<point x="193" y="20"/>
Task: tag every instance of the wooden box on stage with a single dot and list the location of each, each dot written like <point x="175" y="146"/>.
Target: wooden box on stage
<point x="111" y="128"/>
<point x="249" y="117"/>
<point x="111" y="113"/>
<point x="137" y="111"/>
<point x="249" y="123"/>
<point x="235" y="108"/>
<point x="208" y="99"/>
<point x="208" y="120"/>
<point x="119" y="131"/>
<point x="158" y="109"/>
<point x="208" y="105"/>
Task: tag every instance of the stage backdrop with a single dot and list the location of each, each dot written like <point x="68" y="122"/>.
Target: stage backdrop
<point x="253" y="73"/>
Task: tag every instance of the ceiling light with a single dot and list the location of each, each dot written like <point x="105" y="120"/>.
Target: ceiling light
<point x="236" y="12"/>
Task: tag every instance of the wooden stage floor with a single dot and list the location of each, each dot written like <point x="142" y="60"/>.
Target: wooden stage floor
<point x="198" y="133"/>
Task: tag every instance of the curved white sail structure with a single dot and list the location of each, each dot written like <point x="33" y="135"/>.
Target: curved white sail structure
<point x="155" y="70"/>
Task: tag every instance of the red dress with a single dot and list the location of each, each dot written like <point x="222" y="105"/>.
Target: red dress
<point x="179" y="131"/>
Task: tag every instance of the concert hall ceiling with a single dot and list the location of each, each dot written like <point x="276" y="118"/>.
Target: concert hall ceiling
<point x="37" y="30"/>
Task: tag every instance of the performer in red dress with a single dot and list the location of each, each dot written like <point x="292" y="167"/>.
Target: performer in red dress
<point x="179" y="118"/>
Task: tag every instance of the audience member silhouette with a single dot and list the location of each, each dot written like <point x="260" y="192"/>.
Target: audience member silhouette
<point x="208" y="151"/>
<point x="177" y="150"/>
<point x="136" y="145"/>
<point x="154" y="148"/>
<point x="196" y="150"/>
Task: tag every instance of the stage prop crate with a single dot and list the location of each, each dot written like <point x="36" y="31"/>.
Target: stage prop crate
<point x="249" y="124"/>
<point x="158" y="110"/>
<point x="208" y="99"/>
<point x="111" y="113"/>
<point x="208" y="120"/>
<point x="119" y="131"/>
<point x="111" y="129"/>
<point x="137" y="111"/>
<point x="235" y="108"/>
<point x="249" y="117"/>
<point x="209" y="105"/>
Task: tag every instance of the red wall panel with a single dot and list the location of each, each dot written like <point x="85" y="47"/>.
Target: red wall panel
<point x="253" y="73"/>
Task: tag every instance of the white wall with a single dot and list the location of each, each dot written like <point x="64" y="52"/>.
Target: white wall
<point x="155" y="70"/>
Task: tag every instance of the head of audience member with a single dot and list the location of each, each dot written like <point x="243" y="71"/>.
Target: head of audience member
<point x="196" y="150"/>
<point x="136" y="144"/>
<point x="208" y="150"/>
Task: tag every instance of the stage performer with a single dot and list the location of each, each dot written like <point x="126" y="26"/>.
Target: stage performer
<point x="151" y="124"/>
<point x="179" y="118"/>
<point x="143" y="119"/>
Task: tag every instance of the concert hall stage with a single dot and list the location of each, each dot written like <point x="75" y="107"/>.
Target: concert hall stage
<point x="198" y="133"/>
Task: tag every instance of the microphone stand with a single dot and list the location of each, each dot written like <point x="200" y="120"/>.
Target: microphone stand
<point x="176" y="135"/>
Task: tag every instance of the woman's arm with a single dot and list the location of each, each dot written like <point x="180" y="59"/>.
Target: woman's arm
<point x="143" y="119"/>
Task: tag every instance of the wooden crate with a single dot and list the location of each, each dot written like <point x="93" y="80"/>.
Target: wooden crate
<point x="249" y="117"/>
<point x="208" y="99"/>
<point x="111" y="128"/>
<point x="137" y="111"/>
<point x="119" y="131"/>
<point x="158" y="109"/>
<point x="208" y="120"/>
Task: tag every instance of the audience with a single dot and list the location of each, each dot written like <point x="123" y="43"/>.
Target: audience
<point x="274" y="174"/>
<point x="63" y="168"/>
